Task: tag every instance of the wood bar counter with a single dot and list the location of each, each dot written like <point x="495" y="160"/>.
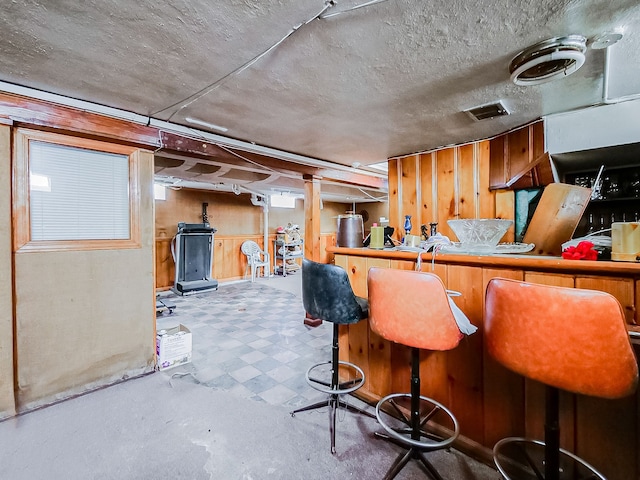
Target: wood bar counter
<point x="489" y="401"/>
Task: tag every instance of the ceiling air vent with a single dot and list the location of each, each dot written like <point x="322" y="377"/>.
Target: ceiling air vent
<point x="548" y="60"/>
<point x="490" y="110"/>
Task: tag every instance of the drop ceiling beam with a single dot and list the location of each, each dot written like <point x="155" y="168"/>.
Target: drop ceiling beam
<point x="177" y="143"/>
<point x="30" y="112"/>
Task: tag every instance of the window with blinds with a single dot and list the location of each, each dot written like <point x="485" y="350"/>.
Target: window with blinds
<point x="74" y="193"/>
<point x="77" y="194"/>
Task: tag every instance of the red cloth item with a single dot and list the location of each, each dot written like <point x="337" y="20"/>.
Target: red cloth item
<point x="583" y="251"/>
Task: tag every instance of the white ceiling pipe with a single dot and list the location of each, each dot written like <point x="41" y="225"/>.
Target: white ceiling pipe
<point x="264" y="203"/>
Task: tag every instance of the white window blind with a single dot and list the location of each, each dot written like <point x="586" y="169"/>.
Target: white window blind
<point x="87" y="194"/>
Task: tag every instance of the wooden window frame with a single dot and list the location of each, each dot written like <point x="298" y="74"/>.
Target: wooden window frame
<point x="21" y="193"/>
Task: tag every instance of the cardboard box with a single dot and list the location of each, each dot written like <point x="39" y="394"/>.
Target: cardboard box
<point x="173" y="347"/>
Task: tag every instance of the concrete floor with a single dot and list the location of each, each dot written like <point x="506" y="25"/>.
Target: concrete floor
<point x="160" y="428"/>
<point x="167" y="426"/>
<point x="291" y="283"/>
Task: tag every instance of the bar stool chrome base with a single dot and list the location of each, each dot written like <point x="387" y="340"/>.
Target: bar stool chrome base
<point x="518" y="458"/>
<point x="332" y="386"/>
<point x="419" y="437"/>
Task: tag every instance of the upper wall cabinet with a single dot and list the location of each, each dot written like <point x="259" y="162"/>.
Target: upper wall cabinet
<point x="518" y="159"/>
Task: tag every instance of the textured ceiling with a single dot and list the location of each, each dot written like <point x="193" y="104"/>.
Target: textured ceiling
<point x="388" y="79"/>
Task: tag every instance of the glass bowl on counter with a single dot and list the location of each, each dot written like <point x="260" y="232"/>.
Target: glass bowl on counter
<point x="479" y="235"/>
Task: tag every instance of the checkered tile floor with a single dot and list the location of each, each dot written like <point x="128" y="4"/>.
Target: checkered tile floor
<point x="250" y="339"/>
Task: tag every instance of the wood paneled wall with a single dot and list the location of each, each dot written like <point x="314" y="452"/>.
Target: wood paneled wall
<point x="228" y="261"/>
<point x="234" y="214"/>
<point x="237" y="220"/>
<point x="460" y="182"/>
<point x="439" y="186"/>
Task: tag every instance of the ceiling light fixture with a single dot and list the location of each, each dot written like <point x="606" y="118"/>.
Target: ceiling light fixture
<point x="202" y="123"/>
<point x="548" y="60"/>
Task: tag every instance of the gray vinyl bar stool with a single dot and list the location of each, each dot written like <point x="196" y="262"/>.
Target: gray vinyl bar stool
<point x="566" y="338"/>
<point x="412" y="309"/>
<point x="327" y="295"/>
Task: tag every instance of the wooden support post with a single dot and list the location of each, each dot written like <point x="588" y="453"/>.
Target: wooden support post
<point x="312" y="217"/>
<point x="312" y="228"/>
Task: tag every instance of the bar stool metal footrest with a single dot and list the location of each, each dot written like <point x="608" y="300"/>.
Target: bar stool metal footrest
<point x="417" y="437"/>
<point x="400" y="429"/>
<point x="342" y="388"/>
<point x="518" y="458"/>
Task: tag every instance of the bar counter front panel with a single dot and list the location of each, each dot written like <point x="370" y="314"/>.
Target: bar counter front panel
<point x="489" y="401"/>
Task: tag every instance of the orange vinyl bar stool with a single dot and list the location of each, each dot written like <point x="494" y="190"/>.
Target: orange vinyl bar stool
<point x="412" y="308"/>
<point x="327" y="295"/>
<point x="566" y="338"/>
